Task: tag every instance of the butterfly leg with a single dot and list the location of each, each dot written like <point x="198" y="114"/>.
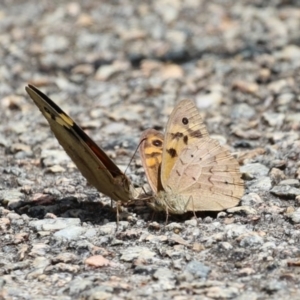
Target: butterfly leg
<point x="167" y="216"/>
<point x="153" y="215"/>
<point x="118" y="205"/>
<point x="145" y="192"/>
<point x="192" y="199"/>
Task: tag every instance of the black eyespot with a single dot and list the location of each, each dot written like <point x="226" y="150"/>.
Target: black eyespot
<point x="157" y="143"/>
<point x="192" y="155"/>
<point x="185" y="121"/>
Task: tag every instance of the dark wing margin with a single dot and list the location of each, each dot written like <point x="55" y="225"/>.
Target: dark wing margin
<point x="107" y="162"/>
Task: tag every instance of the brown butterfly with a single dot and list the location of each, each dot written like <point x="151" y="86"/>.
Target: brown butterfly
<point x="186" y="169"/>
<point x="93" y="163"/>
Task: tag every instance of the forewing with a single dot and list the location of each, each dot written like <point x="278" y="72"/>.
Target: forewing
<point x="99" y="170"/>
<point x="185" y="127"/>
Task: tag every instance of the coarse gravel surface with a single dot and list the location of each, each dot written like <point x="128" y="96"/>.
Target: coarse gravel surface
<point x="118" y="68"/>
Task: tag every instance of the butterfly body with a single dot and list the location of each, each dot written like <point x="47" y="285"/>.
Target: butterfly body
<point x="169" y="202"/>
<point x="94" y="164"/>
<point x="194" y="173"/>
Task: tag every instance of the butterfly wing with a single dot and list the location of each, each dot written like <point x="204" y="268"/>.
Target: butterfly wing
<point x="99" y="170"/>
<point x="184" y="127"/>
<point x="151" y="147"/>
<point x="205" y="177"/>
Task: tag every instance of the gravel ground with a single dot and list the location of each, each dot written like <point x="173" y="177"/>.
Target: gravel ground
<point x="119" y="67"/>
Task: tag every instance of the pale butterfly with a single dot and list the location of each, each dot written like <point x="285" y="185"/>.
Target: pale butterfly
<point x="186" y="169"/>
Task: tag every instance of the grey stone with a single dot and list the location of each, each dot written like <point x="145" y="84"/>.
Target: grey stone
<point x="163" y="285"/>
<point x="209" y="100"/>
<point x="54" y="157"/>
<point x="289" y="52"/>
<point x="268" y="245"/>
<point x="290" y="182"/>
<point x="234" y="230"/>
<point x="192" y="222"/>
<point x="177" y="264"/>
<point x="78" y="285"/>
<point x="15" y="171"/>
<point x="18" y="265"/>
<point x="54" y="224"/>
<point x="53" y="191"/>
<point x="164" y="274"/>
<point x="116" y="242"/>
<point x="247" y="296"/>
<point x="114" y="127"/>
<point x="198" y="269"/>
<point x="111" y="227"/>
<point x="217" y="292"/>
<point x="208" y="220"/>
<point x="70" y="233"/>
<point x="225" y="246"/>
<point x="11" y="195"/>
<point x="13" y="216"/>
<point x="293" y="118"/>
<point x="91" y="232"/>
<point x="242" y="111"/>
<point x="144" y="270"/>
<point x="101" y="292"/>
<point x="261" y="184"/>
<point x="132" y="253"/>
<point x="285" y="191"/>
<point x="251" y="199"/>
<point x="295" y="216"/>
<point x="274" y="286"/>
<point x="222" y="214"/>
<point x="55" y="43"/>
<point x="174" y="226"/>
<point x="254" y="170"/>
<point x="213" y="238"/>
<point x="41" y="262"/>
<point x="242" y="209"/>
<point x="3" y="141"/>
<point x="175" y="254"/>
<point x="251" y="241"/>
<point x="274" y="119"/>
<point x="65" y="257"/>
<point x="108" y="228"/>
<point x="34" y="274"/>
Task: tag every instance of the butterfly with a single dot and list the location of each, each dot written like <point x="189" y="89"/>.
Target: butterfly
<point x="186" y="169"/>
<point x="93" y="163"/>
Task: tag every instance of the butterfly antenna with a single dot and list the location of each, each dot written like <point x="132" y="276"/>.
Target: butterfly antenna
<point x="133" y="155"/>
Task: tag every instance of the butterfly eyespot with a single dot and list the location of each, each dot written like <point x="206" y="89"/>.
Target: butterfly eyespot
<point x="185" y="121"/>
<point x="157" y="143"/>
<point x="192" y="155"/>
